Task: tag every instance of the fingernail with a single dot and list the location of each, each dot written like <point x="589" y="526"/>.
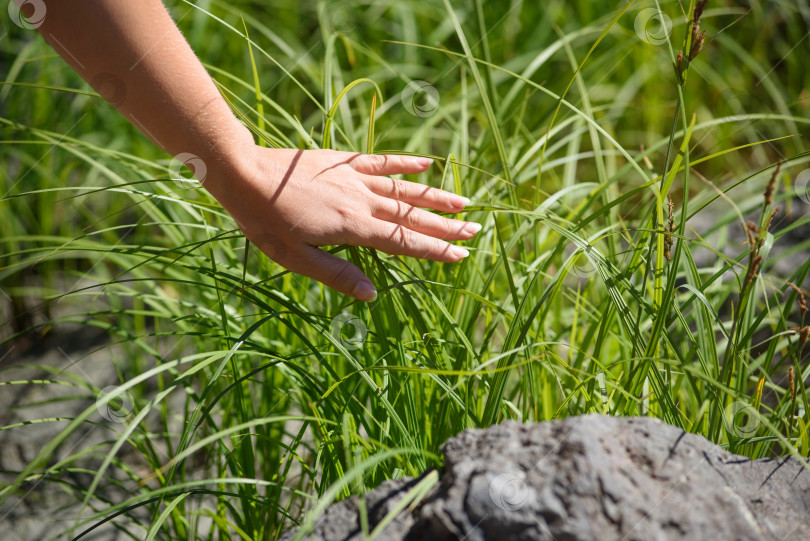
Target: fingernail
<point x="459" y="252"/>
<point x="473" y="227"/>
<point x="365" y="292"/>
<point x="424" y="162"/>
<point x="459" y="202"/>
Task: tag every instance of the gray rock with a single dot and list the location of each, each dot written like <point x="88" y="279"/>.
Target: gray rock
<point x="591" y="478"/>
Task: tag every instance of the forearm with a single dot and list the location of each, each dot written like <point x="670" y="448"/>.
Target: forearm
<point x="288" y="202"/>
<point x="133" y="54"/>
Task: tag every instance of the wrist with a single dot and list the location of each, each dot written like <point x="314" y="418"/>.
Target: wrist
<point x="226" y="157"/>
<point x="230" y="147"/>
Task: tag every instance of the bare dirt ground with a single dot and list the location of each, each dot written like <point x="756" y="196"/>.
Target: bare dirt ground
<point x="45" y="506"/>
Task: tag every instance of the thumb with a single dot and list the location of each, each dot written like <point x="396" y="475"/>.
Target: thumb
<point x="376" y="164"/>
<point x="334" y="272"/>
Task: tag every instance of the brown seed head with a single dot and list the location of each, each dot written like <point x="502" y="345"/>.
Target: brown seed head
<point x="802" y="298"/>
<point x="772" y="184"/>
<point x="804" y="333"/>
<point x="701" y="5"/>
<point x="670" y="228"/>
<point x="697" y="45"/>
<point x="697" y="38"/>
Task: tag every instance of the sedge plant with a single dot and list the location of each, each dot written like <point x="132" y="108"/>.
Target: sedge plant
<point x="632" y="262"/>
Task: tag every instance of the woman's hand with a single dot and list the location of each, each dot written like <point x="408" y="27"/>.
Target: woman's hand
<point x="290" y="202"/>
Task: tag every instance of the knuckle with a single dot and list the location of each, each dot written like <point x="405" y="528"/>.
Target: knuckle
<point x="412" y="244"/>
<point x="376" y="161"/>
<point x="448" y="226"/>
<point x="407" y="238"/>
<point x="429" y="192"/>
<point x="413" y="218"/>
<point x="351" y="233"/>
<point x="436" y="196"/>
<point x="353" y="219"/>
<point x="348" y="214"/>
<point x="354" y="191"/>
<point x="398" y="189"/>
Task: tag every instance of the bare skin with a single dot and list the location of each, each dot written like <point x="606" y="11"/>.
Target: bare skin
<point x="287" y="202"/>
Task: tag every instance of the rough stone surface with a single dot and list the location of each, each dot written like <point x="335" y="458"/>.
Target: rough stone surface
<point x="590" y="478"/>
